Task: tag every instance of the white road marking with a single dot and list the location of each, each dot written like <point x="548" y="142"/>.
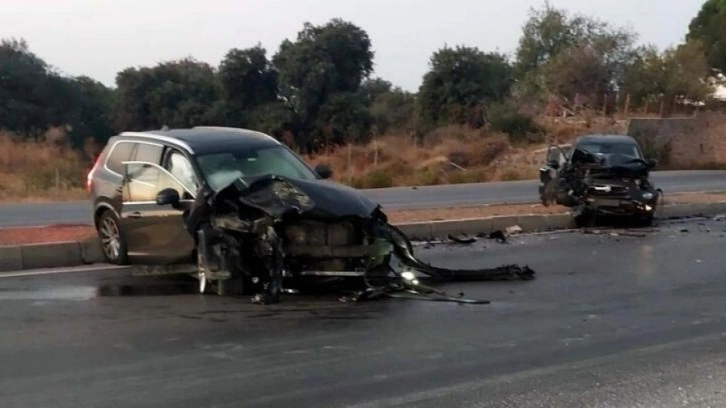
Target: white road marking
<point x="57" y="271"/>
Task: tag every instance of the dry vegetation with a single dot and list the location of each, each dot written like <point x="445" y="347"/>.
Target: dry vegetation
<point x="46" y="169"/>
<point x="453" y="154"/>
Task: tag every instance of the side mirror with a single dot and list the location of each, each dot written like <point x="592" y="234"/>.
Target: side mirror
<point x="652" y="163"/>
<point x="167" y="196"/>
<point x="324" y="171"/>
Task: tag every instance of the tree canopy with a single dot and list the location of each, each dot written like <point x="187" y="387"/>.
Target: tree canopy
<point x="462" y="80"/>
<point x="709" y="27"/>
<point x="317" y="88"/>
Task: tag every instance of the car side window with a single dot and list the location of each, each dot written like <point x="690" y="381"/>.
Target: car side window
<point x="180" y="167"/>
<point x="149" y="153"/>
<point x="144" y="181"/>
<point x="120" y="153"/>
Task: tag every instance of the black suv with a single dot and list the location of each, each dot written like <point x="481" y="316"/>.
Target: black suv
<point x="125" y="183"/>
<point x="600" y="174"/>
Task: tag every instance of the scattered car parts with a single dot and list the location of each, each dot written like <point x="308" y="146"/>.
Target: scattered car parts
<point x="268" y="233"/>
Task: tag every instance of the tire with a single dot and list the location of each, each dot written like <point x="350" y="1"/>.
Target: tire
<point x="113" y="241"/>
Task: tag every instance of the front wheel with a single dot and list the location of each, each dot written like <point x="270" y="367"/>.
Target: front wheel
<point x="113" y="242"/>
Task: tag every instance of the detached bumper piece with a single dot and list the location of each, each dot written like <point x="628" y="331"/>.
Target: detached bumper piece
<point x="408" y="283"/>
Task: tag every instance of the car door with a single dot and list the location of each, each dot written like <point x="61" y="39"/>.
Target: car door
<point x="155" y="234"/>
<point x="550" y="182"/>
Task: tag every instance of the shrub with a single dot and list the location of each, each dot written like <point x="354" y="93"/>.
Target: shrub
<point x="519" y="126"/>
<point x="374" y="179"/>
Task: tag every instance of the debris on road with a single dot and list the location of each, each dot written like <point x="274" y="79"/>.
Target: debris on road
<point x="638" y="233"/>
<point x="272" y="233"/>
<point x="513" y="230"/>
<point x="498" y="235"/>
<point x="462" y="240"/>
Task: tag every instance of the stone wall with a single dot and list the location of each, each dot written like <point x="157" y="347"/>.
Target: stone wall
<point x="698" y="141"/>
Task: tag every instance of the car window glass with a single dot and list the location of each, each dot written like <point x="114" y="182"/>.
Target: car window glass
<point x="220" y="169"/>
<point x="145" y="181"/>
<point x="148" y="153"/>
<point x="120" y="153"/>
<point x="182" y="169"/>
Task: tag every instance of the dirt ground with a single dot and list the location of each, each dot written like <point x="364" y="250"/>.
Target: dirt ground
<point x="53" y="233"/>
<point x="32" y="235"/>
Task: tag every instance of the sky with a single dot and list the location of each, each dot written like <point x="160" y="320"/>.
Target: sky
<point x="99" y="38"/>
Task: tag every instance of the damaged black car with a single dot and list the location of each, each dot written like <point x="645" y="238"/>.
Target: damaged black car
<point x="245" y="214"/>
<point x="600" y="175"/>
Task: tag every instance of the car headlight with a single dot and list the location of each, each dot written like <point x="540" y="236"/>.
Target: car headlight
<point x="648" y="196"/>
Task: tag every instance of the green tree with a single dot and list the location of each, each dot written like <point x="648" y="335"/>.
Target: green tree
<point x="24" y="86"/>
<point x="679" y="72"/>
<point x="564" y="56"/>
<point x="459" y="84"/>
<point x="249" y="81"/>
<point x="390" y="108"/>
<point x="92" y="114"/>
<point x="323" y="61"/>
<point x="590" y="68"/>
<point x="709" y="27"/>
<point x="33" y="97"/>
<point x="181" y="93"/>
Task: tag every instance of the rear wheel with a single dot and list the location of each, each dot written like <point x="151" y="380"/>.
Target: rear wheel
<point x="113" y="242"/>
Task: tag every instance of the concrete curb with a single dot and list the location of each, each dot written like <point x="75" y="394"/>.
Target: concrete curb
<point x="60" y="254"/>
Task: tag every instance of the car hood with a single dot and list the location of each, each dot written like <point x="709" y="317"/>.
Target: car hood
<point x="276" y="195"/>
<point x="335" y="200"/>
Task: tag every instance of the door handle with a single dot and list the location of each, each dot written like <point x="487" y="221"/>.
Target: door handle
<point x="135" y="214"/>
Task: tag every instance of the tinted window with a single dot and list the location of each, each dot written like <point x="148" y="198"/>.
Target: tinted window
<point x="148" y="153"/>
<point x="120" y="153"/>
<point x="146" y="181"/>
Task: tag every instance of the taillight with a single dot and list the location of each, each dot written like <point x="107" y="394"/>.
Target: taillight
<point x="89" y="177"/>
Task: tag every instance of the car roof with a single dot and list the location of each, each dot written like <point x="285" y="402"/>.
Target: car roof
<point x="207" y="139"/>
<point x="606" y="139"/>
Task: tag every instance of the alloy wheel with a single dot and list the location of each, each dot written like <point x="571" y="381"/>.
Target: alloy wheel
<point x="110" y="239"/>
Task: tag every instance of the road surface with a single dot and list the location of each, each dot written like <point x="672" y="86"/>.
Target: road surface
<point x="391" y="198"/>
<point x="610" y="321"/>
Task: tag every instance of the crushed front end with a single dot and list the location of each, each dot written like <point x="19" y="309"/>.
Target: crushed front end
<point x="614" y="191"/>
<point x="272" y="235"/>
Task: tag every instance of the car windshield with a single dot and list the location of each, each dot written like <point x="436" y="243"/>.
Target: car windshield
<point x="220" y="169"/>
<point x="616" y="149"/>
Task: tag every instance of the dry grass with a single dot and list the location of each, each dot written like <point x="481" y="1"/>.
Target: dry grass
<point x="453" y="154"/>
<point x="448" y="155"/>
<point x="46" y="169"/>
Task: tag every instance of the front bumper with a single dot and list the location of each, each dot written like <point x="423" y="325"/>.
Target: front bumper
<point x="622" y="206"/>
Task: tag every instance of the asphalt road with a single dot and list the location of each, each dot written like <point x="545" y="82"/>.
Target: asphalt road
<point x="610" y="321"/>
<point x="391" y="198"/>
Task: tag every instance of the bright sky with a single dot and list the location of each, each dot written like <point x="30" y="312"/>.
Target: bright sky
<point x="101" y="37"/>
